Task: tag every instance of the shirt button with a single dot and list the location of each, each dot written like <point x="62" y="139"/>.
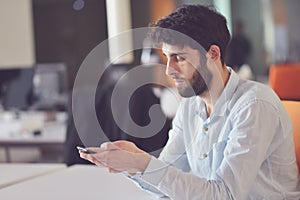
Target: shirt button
<point x="204" y="155"/>
<point x="205" y="129"/>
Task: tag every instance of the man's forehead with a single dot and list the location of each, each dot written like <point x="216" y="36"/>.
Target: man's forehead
<point x="168" y="48"/>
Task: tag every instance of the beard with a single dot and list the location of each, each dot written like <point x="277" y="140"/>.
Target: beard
<point x="198" y="83"/>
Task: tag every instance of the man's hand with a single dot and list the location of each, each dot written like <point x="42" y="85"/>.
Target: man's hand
<point x="119" y="156"/>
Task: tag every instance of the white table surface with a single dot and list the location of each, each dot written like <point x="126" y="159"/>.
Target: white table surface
<point x="51" y="133"/>
<point x="78" y="182"/>
<point x="19" y="131"/>
<point x="11" y="174"/>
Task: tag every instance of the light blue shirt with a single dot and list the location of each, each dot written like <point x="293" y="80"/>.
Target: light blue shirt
<point x="243" y="150"/>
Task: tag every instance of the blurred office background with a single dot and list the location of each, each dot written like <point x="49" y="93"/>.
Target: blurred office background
<point x="44" y="42"/>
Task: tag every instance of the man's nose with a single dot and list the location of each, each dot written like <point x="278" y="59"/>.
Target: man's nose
<point x="171" y="68"/>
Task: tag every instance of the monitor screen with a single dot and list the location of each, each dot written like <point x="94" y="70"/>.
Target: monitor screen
<point x="50" y="88"/>
<point x="16" y="88"/>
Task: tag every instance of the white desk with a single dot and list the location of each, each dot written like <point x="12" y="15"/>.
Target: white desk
<point x="11" y="174"/>
<point x="18" y="132"/>
<point x="51" y="133"/>
<point x="77" y="183"/>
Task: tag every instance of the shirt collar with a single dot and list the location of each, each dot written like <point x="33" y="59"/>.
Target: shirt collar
<point x="220" y="107"/>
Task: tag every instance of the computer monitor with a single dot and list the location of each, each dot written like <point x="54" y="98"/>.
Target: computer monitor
<point x="16" y="87"/>
<point x="50" y="88"/>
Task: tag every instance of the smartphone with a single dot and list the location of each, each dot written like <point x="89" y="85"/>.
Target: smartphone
<point x="84" y="150"/>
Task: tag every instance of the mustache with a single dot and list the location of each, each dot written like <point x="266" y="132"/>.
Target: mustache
<point x="178" y="78"/>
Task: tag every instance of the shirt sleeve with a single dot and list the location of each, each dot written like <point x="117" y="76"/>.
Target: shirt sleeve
<point x="254" y="127"/>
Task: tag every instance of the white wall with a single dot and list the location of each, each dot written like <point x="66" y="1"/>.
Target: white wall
<point x="118" y="25"/>
<point x="16" y="35"/>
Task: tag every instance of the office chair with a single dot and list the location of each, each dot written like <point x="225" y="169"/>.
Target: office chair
<point x="284" y="79"/>
<point x="293" y="109"/>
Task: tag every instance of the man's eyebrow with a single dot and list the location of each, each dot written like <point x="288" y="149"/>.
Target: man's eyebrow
<point x="176" y="54"/>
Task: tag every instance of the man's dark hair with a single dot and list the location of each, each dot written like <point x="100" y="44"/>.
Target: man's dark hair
<point x="201" y="23"/>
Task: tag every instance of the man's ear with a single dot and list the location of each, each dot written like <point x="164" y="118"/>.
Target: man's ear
<point x="214" y="52"/>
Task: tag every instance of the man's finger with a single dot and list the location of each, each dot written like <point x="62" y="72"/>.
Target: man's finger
<point x="111" y="170"/>
<point x="92" y="159"/>
<point x="108" y="146"/>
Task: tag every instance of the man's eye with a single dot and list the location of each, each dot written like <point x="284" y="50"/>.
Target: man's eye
<point x="180" y="58"/>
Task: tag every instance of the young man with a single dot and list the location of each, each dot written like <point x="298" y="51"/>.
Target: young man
<point x="231" y="138"/>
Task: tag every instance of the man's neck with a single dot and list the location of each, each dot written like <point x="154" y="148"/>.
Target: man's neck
<point x="215" y="89"/>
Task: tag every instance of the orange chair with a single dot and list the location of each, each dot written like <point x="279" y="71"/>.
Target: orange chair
<point x="285" y="80"/>
<point x="293" y="109"/>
